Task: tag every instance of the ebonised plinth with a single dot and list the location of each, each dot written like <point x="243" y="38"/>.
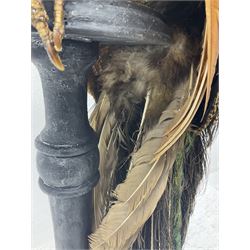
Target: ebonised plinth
<point x="67" y="157"/>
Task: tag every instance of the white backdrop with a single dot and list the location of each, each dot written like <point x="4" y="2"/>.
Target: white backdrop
<point x="203" y="228"/>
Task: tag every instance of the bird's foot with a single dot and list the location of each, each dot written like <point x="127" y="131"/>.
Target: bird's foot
<point x="52" y="40"/>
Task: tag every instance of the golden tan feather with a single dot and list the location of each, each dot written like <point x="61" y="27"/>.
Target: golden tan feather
<point x="125" y="218"/>
<point x="203" y="82"/>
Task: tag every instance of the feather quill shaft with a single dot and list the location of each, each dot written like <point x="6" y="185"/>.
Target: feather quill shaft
<point x="155" y="151"/>
<point x="133" y="219"/>
<point x="119" y="225"/>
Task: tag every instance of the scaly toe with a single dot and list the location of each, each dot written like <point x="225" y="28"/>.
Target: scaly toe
<point x="57" y="38"/>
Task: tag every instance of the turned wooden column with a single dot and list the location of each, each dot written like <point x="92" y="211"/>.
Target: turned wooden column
<point x="67" y="157"/>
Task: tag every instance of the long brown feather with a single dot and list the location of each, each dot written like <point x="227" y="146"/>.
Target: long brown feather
<point x="203" y="83"/>
<point x="108" y="147"/>
<point x="104" y="123"/>
<point x="125" y="218"/>
<point x="151" y="202"/>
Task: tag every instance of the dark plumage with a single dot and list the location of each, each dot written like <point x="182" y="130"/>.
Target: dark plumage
<point x="127" y="72"/>
<point x="140" y="82"/>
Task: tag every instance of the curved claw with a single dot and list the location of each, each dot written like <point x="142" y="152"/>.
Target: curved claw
<point x="54" y="57"/>
<point x="39" y="19"/>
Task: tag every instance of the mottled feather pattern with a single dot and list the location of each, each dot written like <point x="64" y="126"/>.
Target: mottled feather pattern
<point x="141" y="181"/>
<point x="148" y="97"/>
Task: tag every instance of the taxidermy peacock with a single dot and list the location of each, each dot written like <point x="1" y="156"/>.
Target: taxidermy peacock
<point x="156" y="113"/>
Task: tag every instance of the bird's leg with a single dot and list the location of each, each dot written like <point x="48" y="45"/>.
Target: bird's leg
<point x="39" y="20"/>
<point x="58" y="30"/>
